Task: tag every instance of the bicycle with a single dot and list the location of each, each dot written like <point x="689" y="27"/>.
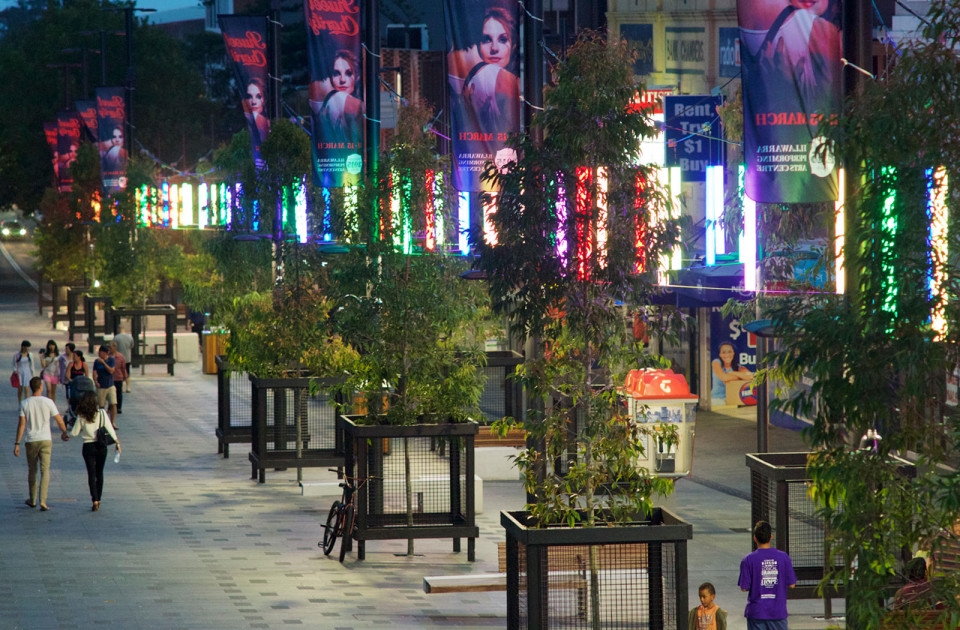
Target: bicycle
<point x="341" y="519"/>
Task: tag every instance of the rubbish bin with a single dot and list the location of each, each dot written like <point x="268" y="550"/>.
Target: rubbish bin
<point x="214" y="343"/>
<point x="660" y="397"/>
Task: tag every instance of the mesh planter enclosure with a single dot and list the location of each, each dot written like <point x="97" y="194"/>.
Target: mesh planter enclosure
<point x="438" y="501"/>
<point x="234" y="406"/>
<point x="779" y="495"/>
<point x="290" y="428"/>
<point x="626" y="576"/>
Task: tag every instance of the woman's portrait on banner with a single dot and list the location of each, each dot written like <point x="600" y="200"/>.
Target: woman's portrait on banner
<point x="337" y="103"/>
<point x="482" y="62"/>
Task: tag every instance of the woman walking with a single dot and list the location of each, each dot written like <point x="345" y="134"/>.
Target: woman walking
<point x="90" y="419"/>
<point x="24" y="368"/>
<point x="50" y="362"/>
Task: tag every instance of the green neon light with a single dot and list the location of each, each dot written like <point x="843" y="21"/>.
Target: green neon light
<point x="889" y="227"/>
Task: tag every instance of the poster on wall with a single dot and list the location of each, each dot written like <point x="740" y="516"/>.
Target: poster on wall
<point x="111" y="116"/>
<point x="68" y="141"/>
<point x="790" y="59"/>
<point x="728" y="61"/>
<point x="88" y="114"/>
<point x="694" y="135"/>
<point x="336" y="90"/>
<point x="50" y="132"/>
<point x="733" y="362"/>
<point x="482" y="72"/>
<point x="246" y="41"/>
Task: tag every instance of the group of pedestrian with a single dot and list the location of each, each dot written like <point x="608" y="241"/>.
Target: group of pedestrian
<point x="765" y="575"/>
<point x="94" y="410"/>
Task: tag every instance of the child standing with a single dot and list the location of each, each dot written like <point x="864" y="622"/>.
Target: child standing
<point x="707" y="616"/>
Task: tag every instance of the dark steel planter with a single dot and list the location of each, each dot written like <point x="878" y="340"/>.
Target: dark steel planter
<point x="629" y="575"/>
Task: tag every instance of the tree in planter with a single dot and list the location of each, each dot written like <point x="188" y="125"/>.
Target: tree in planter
<point x="879" y="357"/>
<point x="568" y="217"/>
<point x="404" y="307"/>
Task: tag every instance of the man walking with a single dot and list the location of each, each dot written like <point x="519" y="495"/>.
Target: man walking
<point x="119" y="375"/>
<point x="104" y="367"/>
<point x="34" y="428"/>
<point x="64" y="365"/>
<point x="765" y="575"/>
<point x="125" y="347"/>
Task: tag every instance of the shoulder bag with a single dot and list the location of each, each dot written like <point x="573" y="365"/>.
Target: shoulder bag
<point x="103" y="436"/>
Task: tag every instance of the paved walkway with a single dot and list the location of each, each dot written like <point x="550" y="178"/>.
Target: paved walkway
<point x="185" y="539"/>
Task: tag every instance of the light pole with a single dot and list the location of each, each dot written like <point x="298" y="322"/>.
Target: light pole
<point x="83" y="50"/>
<point x="128" y="25"/>
<point x="67" y="101"/>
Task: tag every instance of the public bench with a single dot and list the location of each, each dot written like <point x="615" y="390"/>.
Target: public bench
<point x="568" y="569"/>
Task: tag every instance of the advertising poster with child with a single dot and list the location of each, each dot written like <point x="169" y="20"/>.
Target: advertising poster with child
<point x="733" y="362"/>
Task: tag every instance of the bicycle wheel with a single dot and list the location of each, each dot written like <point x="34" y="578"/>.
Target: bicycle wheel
<point x="332" y="529"/>
<point x="347" y="531"/>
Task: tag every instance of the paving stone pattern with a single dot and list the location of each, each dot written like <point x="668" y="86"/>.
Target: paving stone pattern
<point x="184" y="539"/>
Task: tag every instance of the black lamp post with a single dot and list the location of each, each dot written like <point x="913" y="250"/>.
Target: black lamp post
<point x="128" y="24"/>
<point x="83" y="50"/>
<point x="64" y="67"/>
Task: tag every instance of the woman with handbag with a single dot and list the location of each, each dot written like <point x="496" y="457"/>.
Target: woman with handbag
<point x="95" y="428"/>
<point x="23" y="368"/>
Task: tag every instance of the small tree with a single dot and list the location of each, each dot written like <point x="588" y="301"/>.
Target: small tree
<point x="404" y="307"/>
<point x="879" y="357"/>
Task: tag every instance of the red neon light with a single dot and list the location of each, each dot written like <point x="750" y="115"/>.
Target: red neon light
<point x="584" y="176"/>
<point x="640" y="229"/>
<point x="386" y="218"/>
<point x="431" y="218"/>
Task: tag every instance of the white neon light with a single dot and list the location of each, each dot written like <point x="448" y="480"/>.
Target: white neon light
<point x="675" y="211"/>
<point x="186" y="204"/>
<point x="203" y="205"/>
<point x="748" y="245"/>
<point x="463" y="218"/>
<point x="438" y="226"/>
<point x="300" y="210"/>
<point x="716" y="236"/>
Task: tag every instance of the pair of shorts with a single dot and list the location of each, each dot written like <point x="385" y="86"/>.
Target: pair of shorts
<point x="51" y="379"/>
<point x="107" y="396"/>
<point x="766" y="624"/>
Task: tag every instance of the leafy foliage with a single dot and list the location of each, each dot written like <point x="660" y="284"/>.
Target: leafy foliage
<point x="875" y="357"/>
<point x="557" y="276"/>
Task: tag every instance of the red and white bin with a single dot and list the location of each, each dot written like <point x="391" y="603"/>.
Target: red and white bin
<point x="661" y="397"/>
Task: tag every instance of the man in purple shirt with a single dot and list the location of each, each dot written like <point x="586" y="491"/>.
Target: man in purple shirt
<point x="765" y="575"/>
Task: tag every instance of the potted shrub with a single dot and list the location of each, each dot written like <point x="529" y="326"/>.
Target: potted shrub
<point x="566" y="271"/>
<point x="416" y="326"/>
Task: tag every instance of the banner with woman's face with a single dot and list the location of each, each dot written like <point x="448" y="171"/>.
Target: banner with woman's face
<point x="482" y="70"/>
<point x="111" y="116"/>
<point x="336" y="90"/>
<point x="88" y="114"/>
<point x="68" y="141"/>
<point x="246" y="40"/>
<point x="790" y="54"/>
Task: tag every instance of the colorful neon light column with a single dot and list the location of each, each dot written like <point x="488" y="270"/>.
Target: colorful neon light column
<point x="889" y="225"/>
<point x="165" y="203"/>
<point x="640" y="229"/>
<point x="438" y="208"/>
<point x="561" y="211"/>
<point x="939" y="250"/>
<point x="489" y="201"/>
<point x="582" y="219"/>
<point x="430" y="235"/>
<point x="839" y="231"/>
<point x="300" y="211"/>
<point x="602" y="218"/>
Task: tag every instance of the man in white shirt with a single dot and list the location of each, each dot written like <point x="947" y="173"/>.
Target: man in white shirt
<point x="35" y="414"/>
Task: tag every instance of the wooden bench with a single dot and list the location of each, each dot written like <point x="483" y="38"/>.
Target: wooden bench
<point x="567" y="569"/>
<point x="514" y="437"/>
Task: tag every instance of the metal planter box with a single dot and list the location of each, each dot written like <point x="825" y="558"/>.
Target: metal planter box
<point x="626" y="576"/>
<point x="442" y="482"/>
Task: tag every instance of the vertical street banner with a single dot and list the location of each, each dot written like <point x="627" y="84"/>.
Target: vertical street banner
<point x="50" y="130"/>
<point x="246" y="41"/>
<point x="68" y="141"/>
<point x="482" y="72"/>
<point x="88" y="114"/>
<point x="790" y="58"/>
<point x="111" y="119"/>
<point x="336" y="91"/>
<point x="693" y="134"/>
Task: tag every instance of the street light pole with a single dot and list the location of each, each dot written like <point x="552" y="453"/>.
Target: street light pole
<point x="128" y="25"/>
